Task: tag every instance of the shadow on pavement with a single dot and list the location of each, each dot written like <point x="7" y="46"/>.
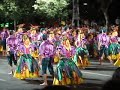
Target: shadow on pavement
<point x="101" y="68"/>
<point x="72" y="87"/>
<point x="84" y="86"/>
<point x="37" y="82"/>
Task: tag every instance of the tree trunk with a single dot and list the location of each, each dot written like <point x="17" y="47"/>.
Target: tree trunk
<point x="106" y="19"/>
<point x="73" y="24"/>
<point x="78" y="22"/>
<point x="15" y="25"/>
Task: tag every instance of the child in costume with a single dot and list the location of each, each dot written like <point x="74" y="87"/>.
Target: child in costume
<point x="11" y="46"/>
<point x="117" y="63"/>
<point x="19" y="34"/>
<point x="34" y="39"/>
<point x="1" y="46"/>
<point x="66" y="71"/>
<point x="46" y="50"/>
<point x="113" y="47"/>
<point x="90" y="44"/>
<point x="27" y="66"/>
<point x="51" y="37"/>
<point x="103" y="43"/>
<point x="4" y="35"/>
<point x="57" y="37"/>
<point x="95" y="46"/>
<point x="81" y="56"/>
<point x="40" y="34"/>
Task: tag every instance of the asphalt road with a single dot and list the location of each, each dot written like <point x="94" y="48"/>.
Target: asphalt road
<point x="94" y="77"/>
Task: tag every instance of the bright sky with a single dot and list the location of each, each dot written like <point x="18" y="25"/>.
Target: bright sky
<point x="45" y="0"/>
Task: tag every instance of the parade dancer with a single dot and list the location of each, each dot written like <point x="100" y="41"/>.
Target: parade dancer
<point x="57" y="37"/>
<point x="34" y="39"/>
<point x="103" y="43"/>
<point x="46" y="50"/>
<point x="33" y="34"/>
<point x="4" y="35"/>
<point x="81" y="56"/>
<point x="51" y="37"/>
<point x="95" y="47"/>
<point x="90" y="44"/>
<point x="41" y="33"/>
<point x="113" y="47"/>
<point x="11" y="45"/>
<point x="27" y="66"/>
<point x="1" y="46"/>
<point x="117" y="63"/>
<point x="53" y="41"/>
<point x="66" y="71"/>
<point x="19" y="34"/>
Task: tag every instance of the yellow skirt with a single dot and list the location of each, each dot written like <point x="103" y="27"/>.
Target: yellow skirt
<point x="26" y="74"/>
<point x="68" y="81"/>
<point x="117" y="63"/>
<point x="115" y="57"/>
<point x="83" y="63"/>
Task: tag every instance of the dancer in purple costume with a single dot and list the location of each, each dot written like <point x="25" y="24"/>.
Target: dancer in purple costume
<point x="46" y="50"/>
<point x="27" y="65"/>
<point x="4" y="35"/>
<point x="66" y="71"/>
<point x="103" y="43"/>
<point x="81" y="56"/>
<point x="19" y="34"/>
<point x="11" y="45"/>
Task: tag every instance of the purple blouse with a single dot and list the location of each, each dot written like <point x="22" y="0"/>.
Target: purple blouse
<point x="4" y="34"/>
<point x="104" y="39"/>
<point x="81" y="43"/>
<point x="19" y="38"/>
<point x="65" y="53"/>
<point x="11" y="42"/>
<point x="25" y="50"/>
<point x="46" y="49"/>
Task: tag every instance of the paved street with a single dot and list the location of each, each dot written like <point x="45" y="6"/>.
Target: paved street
<point x="95" y="76"/>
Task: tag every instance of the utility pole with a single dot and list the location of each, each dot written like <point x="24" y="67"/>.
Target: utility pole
<point x="75" y="16"/>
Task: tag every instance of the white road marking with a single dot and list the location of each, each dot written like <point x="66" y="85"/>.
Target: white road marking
<point x="2" y="79"/>
<point x="97" y="74"/>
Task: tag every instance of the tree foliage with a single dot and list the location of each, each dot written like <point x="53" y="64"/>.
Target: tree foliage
<point x="9" y="9"/>
<point x="52" y="8"/>
<point x="16" y="9"/>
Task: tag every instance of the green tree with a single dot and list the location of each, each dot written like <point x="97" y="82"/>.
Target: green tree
<point x="17" y="10"/>
<point x="54" y="9"/>
<point x="26" y="10"/>
<point x="9" y="11"/>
